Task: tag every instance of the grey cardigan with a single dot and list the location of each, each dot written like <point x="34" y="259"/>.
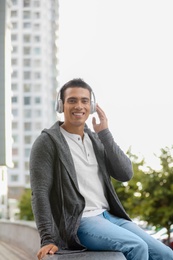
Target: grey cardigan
<point x="56" y="201"/>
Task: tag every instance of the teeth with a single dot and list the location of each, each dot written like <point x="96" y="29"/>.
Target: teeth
<point x="78" y="114"/>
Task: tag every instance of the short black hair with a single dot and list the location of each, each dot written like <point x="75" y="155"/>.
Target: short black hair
<point x="74" y="83"/>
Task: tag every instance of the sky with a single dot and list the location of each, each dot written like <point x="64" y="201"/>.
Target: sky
<point x="124" y="51"/>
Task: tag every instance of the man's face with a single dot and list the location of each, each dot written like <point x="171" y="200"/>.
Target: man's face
<point x="76" y="106"/>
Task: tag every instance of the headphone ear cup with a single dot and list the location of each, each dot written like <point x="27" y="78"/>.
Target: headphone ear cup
<point x="93" y="107"/>
<point x="60" y="107"/>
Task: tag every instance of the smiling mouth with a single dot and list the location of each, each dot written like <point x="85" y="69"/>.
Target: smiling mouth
<point x="78" y="114"/>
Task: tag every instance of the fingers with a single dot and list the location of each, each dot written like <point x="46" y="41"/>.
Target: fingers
<point x="101" y="115"/>
<point x="53" y="250"/>
<point x="103" y="124"/>
<point x="48" y="249"/>
<point x="100" y="112"/>
<point x="94" y="121"/>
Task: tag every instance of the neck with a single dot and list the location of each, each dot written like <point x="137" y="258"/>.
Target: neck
<point x="78" y="130"/>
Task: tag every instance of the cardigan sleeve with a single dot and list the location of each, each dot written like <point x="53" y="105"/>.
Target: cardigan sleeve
<point x="41" y="176"/>
<point x="120" y="166"/>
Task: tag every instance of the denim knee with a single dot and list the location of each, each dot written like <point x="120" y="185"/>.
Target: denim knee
<point x="139" y="251"/>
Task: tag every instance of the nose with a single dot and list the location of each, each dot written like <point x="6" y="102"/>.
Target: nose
<point x="78" y="106"/>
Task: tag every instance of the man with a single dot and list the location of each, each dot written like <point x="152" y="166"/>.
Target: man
<point x="74" y="203"/>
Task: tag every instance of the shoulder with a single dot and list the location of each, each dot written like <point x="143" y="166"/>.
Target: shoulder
<point x="44" y="140"/>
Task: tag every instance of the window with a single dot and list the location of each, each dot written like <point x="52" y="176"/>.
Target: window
<point x="37" y="50"/>
<point x="15" y="151"/>
<point x="37" y="126"/>
<point x="27" y="38"/>
<point x="27" y="113"/>
<point x="26" y="25"/>
<point x="27" y="87"/>
<point x="14" y="125"/>
<point x="26" y="165"/>
<point x="26" y="74"/>
<point x="15" y="138"/>
<point x="27" y="139"/>
<point x="27" y="152"/>
<point x="26" y="50"/>
<point x="14" y="2"/>
<point x="36" y="3"/>
<point x="14" y="74"/>
<point x="37" y="113"/>
<point x="14" y="25"/>
<point x="14" y="99"/>
<point x="14" y="50"/>
<point x="37" y="87"/>
<point x="37" y="75"/>
<point x="36" y="15"/>
<point x="27" y="100"/>
<point x="16" y="164"/>
<point x="26" y="3"/>
<point x="14" y="37"/>
<point x="14" y="178"/>
<point x="27" y="179"/>
<point x="14" y="112"/>
<point x="14" y="86"/>
<point x="27" y="62"/>
<point x="37" y="100"/>
<point x="26" y="15"/>
<point x="27" y="126"/>
<point x="37" y="26"/>
<point x="37" y="38"/>
<point x="14" y="62"/>
<point x="37" y="63"/>
<point x="13" y="13"/>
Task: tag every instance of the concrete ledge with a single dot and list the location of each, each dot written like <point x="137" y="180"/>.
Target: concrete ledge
<point x="21" y="234"/>
<point x="24" y="235"/>
<point x="10" y="252"/>
<point x="88" y="255"/>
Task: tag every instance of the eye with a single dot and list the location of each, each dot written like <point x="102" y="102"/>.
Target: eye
<point x="71" y="100"/>
<point x="85" y="100"/>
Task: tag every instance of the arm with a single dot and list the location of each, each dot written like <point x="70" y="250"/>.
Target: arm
<point x="41" y="174"/>
<point x="120" y="164"/>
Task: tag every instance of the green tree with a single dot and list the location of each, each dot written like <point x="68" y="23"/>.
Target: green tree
<point x="149" y="195"/>
<point x="25" y="206"/>
<point x="130" y="192"/>
<point x="157" y="196"/>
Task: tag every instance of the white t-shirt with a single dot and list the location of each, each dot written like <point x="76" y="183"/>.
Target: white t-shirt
<point x="90" y="181"/>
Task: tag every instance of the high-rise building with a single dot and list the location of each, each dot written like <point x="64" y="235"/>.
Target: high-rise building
<point x="34" y="81"/>
<point x="5" y="103"/>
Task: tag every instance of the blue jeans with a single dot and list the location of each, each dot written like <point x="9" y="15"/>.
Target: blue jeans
<point x="109" y="233"/>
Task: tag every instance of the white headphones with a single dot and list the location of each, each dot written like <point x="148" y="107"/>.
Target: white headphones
<point x="60" y="108"/>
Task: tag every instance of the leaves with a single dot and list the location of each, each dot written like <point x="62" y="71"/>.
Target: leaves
<point x="149" y="195"/>
<point x="25" y="206"/>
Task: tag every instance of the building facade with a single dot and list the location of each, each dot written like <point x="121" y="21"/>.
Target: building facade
<point x="34" y="82"/>
<point x="5" y="104"/>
